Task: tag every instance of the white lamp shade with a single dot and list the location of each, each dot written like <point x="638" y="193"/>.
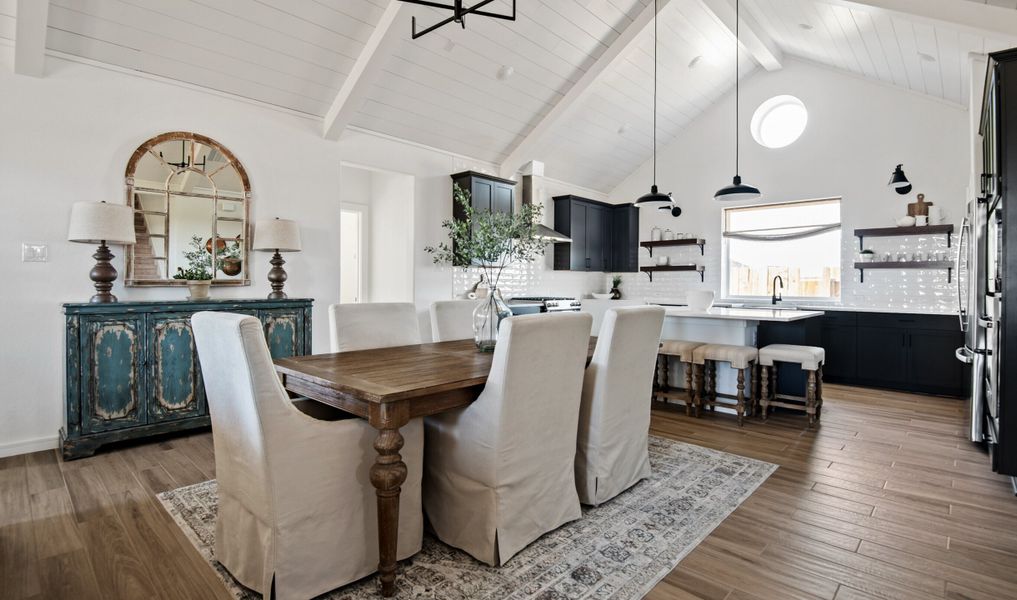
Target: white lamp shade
<point x="95" y="222"/>
<point x="277" y="234"/>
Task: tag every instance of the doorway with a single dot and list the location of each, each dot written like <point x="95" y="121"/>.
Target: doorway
<point x="376" y="235"/>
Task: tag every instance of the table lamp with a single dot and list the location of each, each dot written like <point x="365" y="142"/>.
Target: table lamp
<point x="277" y="235"/>
<point x="101" y="223"/>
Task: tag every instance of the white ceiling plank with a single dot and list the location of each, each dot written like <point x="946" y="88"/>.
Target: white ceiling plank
<point x="380" y="45"/>
<point x="30" y="37"/>
<point x="611" y="57"/>
<point x="981" y="17"/>
<point x="753" y="37"/>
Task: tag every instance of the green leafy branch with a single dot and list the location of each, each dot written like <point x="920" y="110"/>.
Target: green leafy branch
<point x="489" y="240"/>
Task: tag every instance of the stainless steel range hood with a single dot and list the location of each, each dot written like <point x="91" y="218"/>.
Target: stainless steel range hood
<point x="543" y="231"/>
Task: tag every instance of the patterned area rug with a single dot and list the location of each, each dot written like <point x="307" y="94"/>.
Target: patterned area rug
<point x="618" y="550"/>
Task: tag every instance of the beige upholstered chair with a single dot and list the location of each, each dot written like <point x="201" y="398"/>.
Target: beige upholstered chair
<point x="501" y="472"/>
<point x="295" y="501"/>
<point x="452" y="320"/>
<point x="614" y="421"/>
<point x="373" y="325"/>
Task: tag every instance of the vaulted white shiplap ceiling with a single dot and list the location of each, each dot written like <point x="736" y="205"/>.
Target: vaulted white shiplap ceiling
<point x="579" y="96"/>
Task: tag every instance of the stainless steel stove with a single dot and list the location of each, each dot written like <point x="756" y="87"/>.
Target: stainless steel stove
<point x="519" y="304"/>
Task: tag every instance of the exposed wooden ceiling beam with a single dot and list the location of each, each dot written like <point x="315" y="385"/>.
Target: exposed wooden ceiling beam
<point x="30" y="37"/>
<point x="981" y="18"/>
<point x="754" y="38"/>
<point x="350" y="99"/>
<point x="615" y="53"/>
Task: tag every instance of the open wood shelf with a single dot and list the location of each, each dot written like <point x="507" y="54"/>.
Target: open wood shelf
<point x="668" y="243"/>
<point x="923" y="264"/>
<point x="861" y="234"/>
<point x="663" y="268"/>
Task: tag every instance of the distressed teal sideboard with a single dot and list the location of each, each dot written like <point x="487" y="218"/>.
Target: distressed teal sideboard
<point x="132" y="368"/>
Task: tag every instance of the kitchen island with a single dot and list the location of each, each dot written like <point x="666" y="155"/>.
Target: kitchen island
<point x="737" y="326"/>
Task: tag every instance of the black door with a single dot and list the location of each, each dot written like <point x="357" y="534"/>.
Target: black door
<point x="882" y="356"/>
<point x="597" y="237"/>
<point x="580" y="259"/>
<point x="841" y="345"/>
<point x="932" y="366"/>
<point x="502" y="198"/>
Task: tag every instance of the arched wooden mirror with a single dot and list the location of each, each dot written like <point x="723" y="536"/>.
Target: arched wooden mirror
<point x="192" y="200"/>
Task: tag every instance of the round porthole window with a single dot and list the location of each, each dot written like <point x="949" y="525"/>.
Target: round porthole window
<point x="779" y="121"/>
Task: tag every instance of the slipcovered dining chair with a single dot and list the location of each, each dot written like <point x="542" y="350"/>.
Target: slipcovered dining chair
<point x="373" y="325"/>
<point x="452" y="320"/>
<point x="500" y="472"/>
<point x="614" y="420"/>
<point x="296" y="506"/>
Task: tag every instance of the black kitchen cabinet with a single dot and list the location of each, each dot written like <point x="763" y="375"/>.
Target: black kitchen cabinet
<point x="882" y="357"/>
<point x="604" y="236"/>
<point x="488" y="194"/>
<point x="907" y="352"/>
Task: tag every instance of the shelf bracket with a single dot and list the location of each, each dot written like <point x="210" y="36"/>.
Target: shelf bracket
<point x="949" y="239"/>
<point x="702" y="248"/>
<point x="649" y="273"/>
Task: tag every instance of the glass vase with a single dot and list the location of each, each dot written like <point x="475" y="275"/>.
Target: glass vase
<point x="487" y="318"/>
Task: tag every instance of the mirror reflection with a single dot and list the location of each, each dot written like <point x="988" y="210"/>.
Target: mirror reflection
<point x="191" y="204"/>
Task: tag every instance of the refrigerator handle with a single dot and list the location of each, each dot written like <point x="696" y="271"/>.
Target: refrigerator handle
<point x="964" y="355"/>
<point x="961" y="313"/>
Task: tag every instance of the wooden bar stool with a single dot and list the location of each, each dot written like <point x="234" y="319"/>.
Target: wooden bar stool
<point x="742" y="358"/>
<point x="682" y="351"/>
<point x="811" y="359"/>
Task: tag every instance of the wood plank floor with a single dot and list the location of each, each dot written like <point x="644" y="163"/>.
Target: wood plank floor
<point x="886" y="499"/>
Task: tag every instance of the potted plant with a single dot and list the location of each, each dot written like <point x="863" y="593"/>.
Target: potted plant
<point x="616" y="287"/>
<point x="198" y="273"/>
<point x="230" y="262"/>
<point x="489" y="241"/>
<point x="867" y="255"/>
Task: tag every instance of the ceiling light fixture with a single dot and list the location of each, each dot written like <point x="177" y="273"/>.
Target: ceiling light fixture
<point x="695" y="61"/>
<point x="737" y="190"/>
<point x="806" y="26"/>
<point x="927" y="57"/>
<point x="459" y="13"/>
<point x="505" y="72"/>
<point x="654" y="197"/>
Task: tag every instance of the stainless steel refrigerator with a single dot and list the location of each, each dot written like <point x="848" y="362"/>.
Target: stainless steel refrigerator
<point x="987" y="274"/>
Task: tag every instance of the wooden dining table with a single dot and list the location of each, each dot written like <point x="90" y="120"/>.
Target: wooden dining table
<point x="388" y="387"/>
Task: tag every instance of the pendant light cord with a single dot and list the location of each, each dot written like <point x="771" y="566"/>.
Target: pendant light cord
<point x="654" y="92"/>
<point x="737" y="85"/>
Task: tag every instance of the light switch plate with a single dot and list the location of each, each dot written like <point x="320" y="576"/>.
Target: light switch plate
<point x="34" y="252"/>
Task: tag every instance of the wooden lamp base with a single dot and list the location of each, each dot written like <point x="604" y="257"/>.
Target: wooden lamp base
<point x="103" y="274"/>
<point x="277" y="277"/>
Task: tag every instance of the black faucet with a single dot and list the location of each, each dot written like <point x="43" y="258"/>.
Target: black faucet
<point x="777" y="297"/>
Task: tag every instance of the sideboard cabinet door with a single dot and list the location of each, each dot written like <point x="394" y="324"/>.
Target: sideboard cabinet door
<point x="284" y="331"/>
<point x="113" y="380"/>
<point x="174" y="374"/>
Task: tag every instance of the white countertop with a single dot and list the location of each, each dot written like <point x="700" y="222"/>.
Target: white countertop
<point x="743" y="314"/>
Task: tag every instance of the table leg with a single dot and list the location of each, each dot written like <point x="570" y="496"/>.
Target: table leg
<point x="387" y="476"/>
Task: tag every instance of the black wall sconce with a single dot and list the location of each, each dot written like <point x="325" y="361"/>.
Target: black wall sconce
<point x="899" y="182"/>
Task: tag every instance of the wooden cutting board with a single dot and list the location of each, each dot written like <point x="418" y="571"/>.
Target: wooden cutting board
<point x="919" y="208"/>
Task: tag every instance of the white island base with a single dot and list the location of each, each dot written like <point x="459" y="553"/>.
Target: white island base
<point x="735" y="326"/>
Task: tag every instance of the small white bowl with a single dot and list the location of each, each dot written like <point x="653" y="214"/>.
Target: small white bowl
<point x="699" y="300"/>
<point x="600" y="296"/>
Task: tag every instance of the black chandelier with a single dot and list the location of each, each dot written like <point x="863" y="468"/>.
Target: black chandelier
<point x="185" y="161"/>
<point x="459" y="13"/>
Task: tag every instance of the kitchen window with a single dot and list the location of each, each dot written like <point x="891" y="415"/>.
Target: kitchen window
<point x="800" y="241"/>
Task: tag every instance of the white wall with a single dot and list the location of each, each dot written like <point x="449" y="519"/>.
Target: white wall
<point x="858" y="131"/>
<point x="67" y="137"/>
<point x="391" y="241"/>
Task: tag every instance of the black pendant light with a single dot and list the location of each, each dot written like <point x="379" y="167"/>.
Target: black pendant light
<point x="655" y="197"/>
<point x="899" y="182"/>
<point x="737" y="190"/>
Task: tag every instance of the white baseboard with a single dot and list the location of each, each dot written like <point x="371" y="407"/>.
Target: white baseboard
<point x="27" y="446"/>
